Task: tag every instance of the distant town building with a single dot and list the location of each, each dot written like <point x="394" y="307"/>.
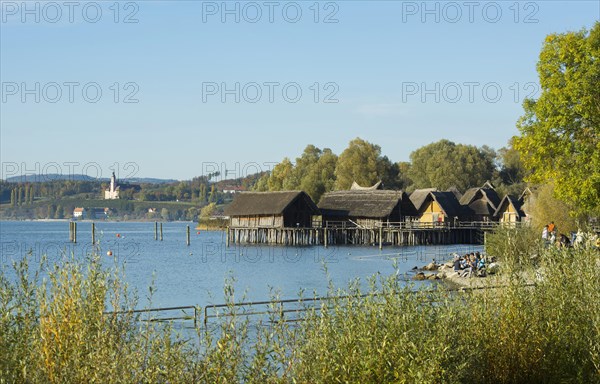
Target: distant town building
<point x="151" y="210"/>
<point x="78" y="213"/>
<point x="113" y="190"/>
<point x="233" y="189"/>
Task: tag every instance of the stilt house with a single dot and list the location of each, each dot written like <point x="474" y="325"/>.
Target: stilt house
<point x="289" y="209"/>
<point x="480" y="204"/>
<point x="366" y="208"/>
<point x="436" y="206"/>
<point x="509" y="210"/>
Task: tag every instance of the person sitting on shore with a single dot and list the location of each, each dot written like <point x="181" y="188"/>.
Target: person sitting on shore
<point x="457" y="266"/>
<point x="563" y="241"/>
<point x="481" y="271"/>
<point x="464" y="261"/>
<point x="471" y="266"/>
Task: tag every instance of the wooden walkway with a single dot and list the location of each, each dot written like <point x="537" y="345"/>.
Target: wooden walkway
<point x="331" y="234"/>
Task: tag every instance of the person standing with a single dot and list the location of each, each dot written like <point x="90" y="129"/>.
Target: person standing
<point x="552" y="228"/>
<point x="545" y="235"/>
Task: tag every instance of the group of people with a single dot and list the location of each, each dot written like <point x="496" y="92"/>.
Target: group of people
<point x="471" y="264"/>
<point x="550" y="236"/>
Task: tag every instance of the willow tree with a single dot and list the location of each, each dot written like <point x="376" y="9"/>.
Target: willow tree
<point x="313" y="172"/>
<point x="559" y="139"/>
<point x="362" y="162"/>
<point x="444" y="164"/>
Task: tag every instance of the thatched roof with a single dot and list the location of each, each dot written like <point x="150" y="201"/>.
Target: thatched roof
<point x="456" y="192"/>
<point x="446" y="200"/>
<point x="527" y="192"/>
<point x="366" y="204"/>
<point x="478" y="200"/>
<point x="419" y="196"/>
<point x="448" y="203"/>
<point x="356" y="187"/>
<point x="266" y="203"/>
<point x="509" y="200"/>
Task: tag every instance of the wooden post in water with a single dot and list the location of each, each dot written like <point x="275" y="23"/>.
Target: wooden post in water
<point x="188" y="236"/>
<point x="155" y="230"/>
<point x="380" y="237"/>
<point x="75" y="232"/>
<point x="227" y="236"/>
<point x="325" y="236"/>
<point x="161" y="232"/>
<point x="93" y="233"/>
<point x="70" y="231"/>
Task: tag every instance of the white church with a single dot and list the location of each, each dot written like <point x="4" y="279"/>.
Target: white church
<point x="113" y="190"/>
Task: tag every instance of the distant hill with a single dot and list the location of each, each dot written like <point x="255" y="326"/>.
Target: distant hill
<point x="56" y="177"/>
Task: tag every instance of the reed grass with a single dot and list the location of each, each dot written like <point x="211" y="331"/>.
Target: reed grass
<point x="54" y="329"/>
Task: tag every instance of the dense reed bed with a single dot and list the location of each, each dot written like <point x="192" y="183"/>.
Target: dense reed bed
<point x="55" y="329"/>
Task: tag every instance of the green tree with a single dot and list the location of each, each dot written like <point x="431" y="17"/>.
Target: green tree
<point x="207" y="211"/>
<point x="320" y="178"/>
<point x="50" y="211"/>
<point x="213" y="197"/>
<point x="314" y="171"/>
<point x="13" y="200"/>
<point x="560" y="141"/>
<point x="262" y="184"/>
<point x="547" y="208"/>
<point x="360" y="162"/>
<point x="512" y="172"/>
<point x="403" y="180"/>
<point x="31" y="195"/>
<point x="60" y="212"/>
<point x="280" y="179"/>
<point x="203" y="194"/>
<point x="444" y="164"/>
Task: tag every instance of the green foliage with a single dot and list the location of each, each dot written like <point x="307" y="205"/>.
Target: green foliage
<point x="512" y="172"/>
<point x="560" y="139"/>
<point x="547" y="208"/>
<point x="444" y="164"/>
<point x="514" y="247"/>
<point x="208" y="211"/>
<point x="362" y="162"/>
<point x="313" y="172"/>
<point x="55" y="330"/>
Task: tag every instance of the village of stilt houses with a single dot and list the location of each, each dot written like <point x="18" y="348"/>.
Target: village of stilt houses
<point x="374" y="216"/>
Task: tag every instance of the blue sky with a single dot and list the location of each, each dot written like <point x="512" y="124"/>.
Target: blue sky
<point x="400" y="74"/>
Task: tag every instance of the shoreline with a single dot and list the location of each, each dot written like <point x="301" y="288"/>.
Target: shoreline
<point x="445" y="272"/>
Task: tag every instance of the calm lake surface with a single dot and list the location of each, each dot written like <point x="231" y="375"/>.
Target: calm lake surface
<point x="195" y="275"/>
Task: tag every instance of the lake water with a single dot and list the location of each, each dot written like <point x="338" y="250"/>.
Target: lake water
<point x="195" y="275"/>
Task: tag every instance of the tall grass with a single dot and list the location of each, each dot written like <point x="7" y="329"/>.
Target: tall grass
<point x="54" y="330"/>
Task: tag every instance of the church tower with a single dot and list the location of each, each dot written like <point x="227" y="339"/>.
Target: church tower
<point x="113" y="190"/>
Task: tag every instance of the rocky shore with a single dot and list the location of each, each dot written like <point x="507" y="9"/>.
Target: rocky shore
<point x="445" y="272"/>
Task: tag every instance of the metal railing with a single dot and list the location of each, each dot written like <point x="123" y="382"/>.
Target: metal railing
<point x="277" y="307"/>
<point x="422" y="225"/>
<point x="185" y="316"/>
